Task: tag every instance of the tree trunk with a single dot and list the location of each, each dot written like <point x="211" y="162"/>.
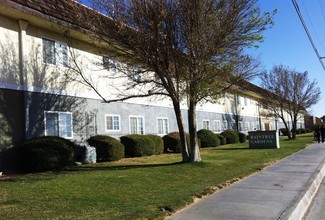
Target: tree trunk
<point x="287" y="128"/>
<point x="294" y="128"/>
<point x="182" y="135"/>
<point x="194" y="145"/>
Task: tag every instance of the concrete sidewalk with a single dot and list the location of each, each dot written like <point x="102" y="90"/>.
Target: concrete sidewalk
<point x="283" y="190"/>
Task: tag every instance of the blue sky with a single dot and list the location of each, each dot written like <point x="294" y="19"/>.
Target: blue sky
<point x="287" y="43"/>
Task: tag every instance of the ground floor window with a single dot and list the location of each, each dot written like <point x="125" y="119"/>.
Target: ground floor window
<point x="162" y="126"/>
<point x="217" y="126"/>
<point x="206" y="124"/>
<point x="58" y="124"/>
<point x="112" y="122"/>
<point x="136" y="125"/>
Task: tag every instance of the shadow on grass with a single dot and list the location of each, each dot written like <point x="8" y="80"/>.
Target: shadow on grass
<point x="233" y="148"/>
<point x="107" y="166"/>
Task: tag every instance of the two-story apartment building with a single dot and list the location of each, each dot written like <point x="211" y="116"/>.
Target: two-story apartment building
<point x="39" y="96"/>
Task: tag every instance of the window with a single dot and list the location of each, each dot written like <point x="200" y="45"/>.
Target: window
<point x="58" y="124"/>
<point x="225" y="125"/>
<point x="162" y="125"/>
<point x="246" y="126"/>
<point x="252" y="126"/>
<point x="206" y="124"/>
<point x="109" y="64"/>
<point x="112" y="122"/>
<point x="48" y="51"/>
<point x="246" y="101"/>
<point x="55" y="53"/>
<point x="217" y="126"/>
<point x="238" y="100"/>
<point x="136" y="125"/>
<point x="240" y="126"/>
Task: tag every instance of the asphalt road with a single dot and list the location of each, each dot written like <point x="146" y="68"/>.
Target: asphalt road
<point x="317" y="207"/>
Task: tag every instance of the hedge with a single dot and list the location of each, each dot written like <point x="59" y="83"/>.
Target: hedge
<point x="159" y="143"/>
<point x="45" y="153"/>
<point x="223" y="140"/>
<point x="242" y="137"/>
<point x="231" y="136"/>
<point x="138" y="145"/>
<point x="107" y="148"/>
<point x="208" y="138"/>
<point x="172" y="142"/>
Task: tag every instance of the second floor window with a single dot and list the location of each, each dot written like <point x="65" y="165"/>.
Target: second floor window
<point x="55" y="53"/>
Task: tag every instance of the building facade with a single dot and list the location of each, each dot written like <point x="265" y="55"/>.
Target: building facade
<point x="40" y="95"/>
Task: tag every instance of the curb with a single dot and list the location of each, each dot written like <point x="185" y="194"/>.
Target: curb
<point x="300" y="204"/>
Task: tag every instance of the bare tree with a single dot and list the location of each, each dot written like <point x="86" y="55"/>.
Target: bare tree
<point x="189" y="50"/>
<point x="293" y="94"/>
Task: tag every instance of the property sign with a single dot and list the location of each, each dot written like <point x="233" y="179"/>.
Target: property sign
<point x="264" y="139"/>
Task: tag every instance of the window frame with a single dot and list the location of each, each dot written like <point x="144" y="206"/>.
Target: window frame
<point x="137" y="117"/>
<point x="59" y="125"/>
<point x="113" y="123"/>
<point x="165" y="121"/>
<point x="109" y="63"/>
<point x="207" y="123"/>
<point x="217" y="125"/>
<point x="61" y="56"/>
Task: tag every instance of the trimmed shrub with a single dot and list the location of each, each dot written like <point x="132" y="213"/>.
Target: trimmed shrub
<point x="138" y="145"/>
<point x="208" y="138"/>
<point x="222" y="139"/>
<point x="283" y="131"/>
<point x="172" y="143"/>
<point x="231" y="136"/>
<point x="159" y="143"/>
<point x="107" y="148"/>
<point x="242" y="137"/>
<point x="301" y="131"/>
<point x="45" y="153"/>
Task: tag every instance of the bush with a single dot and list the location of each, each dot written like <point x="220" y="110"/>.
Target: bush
<point x="283" y="131"/>
<point x="172" y="142"/>
<point x="107" y="148"/>
<point x="159" y="143"/>
<point x="231" y="136"/>
<point x="44" y="154"/>
<point x="301" y="131"/>
<point x="208" y="138"/>
<point x="242" y="137"/>
<point x="138" y="145"/>
<point x="222" y="139"/>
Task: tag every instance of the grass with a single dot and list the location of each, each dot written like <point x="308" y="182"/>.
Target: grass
<point x="133" y="188"/>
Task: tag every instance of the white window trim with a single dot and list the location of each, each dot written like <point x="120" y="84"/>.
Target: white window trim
<point x="217" y="128"/>
<point x="162" y="118"/>
<point x="57" y="63"/>
<point x="119" y="123"/>
<point x="208" y="123"/>
<point x="58" y="112"/>
<point x="137" y="116"/>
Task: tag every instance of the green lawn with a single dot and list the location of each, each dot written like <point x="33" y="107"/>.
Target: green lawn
<point x="138" y="188"/>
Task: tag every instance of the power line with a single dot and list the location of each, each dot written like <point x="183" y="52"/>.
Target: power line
<point x="307" y="32"/>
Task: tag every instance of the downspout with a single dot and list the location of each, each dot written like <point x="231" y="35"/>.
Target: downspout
<point x="23" y="73"/>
